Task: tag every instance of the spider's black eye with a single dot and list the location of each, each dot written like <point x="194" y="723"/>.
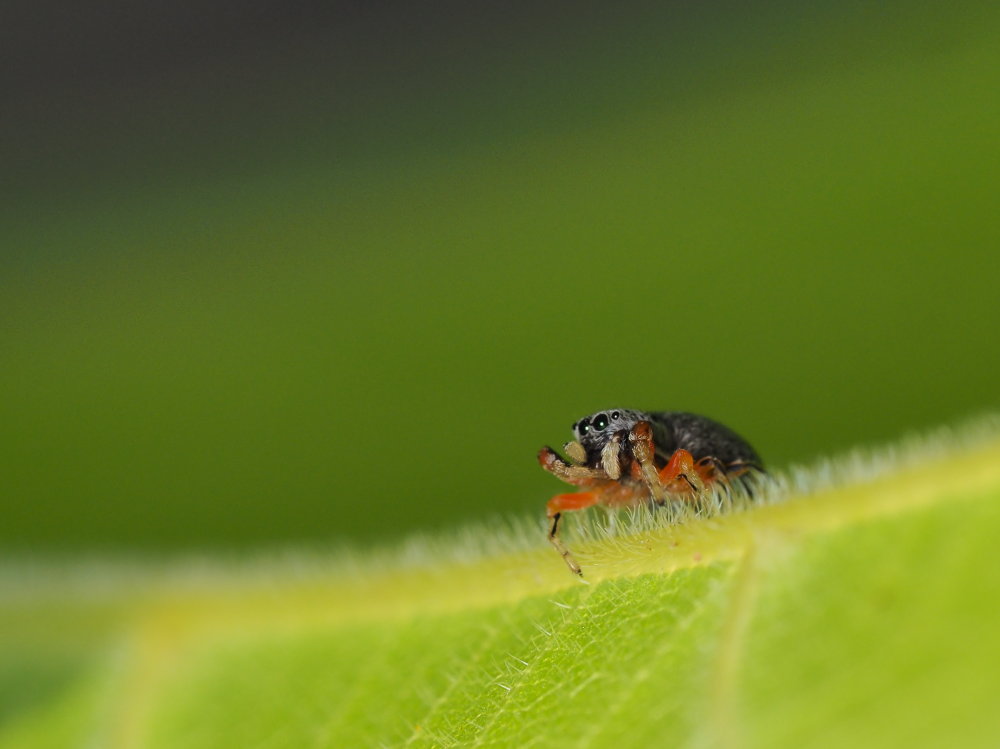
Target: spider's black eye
<point x="582" y="426"/>
<point x="615" y="416"/>
<point x="600" y="421"/>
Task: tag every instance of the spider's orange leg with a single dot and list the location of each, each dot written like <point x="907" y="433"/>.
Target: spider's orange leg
<point x="555" y="508"/>
<point x="714" y="472"/>
<point x="644" y="451"/>
<point x="681" y="475"/>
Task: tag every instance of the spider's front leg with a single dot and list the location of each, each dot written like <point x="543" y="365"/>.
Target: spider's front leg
<point x="680" y="468"/>
<point x="576" y="474"/>
<point x="555" y="508"/>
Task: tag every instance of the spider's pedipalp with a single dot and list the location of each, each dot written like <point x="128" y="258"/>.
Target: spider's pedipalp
<point x="609" y="458"/>
<point x="575" y="452"/>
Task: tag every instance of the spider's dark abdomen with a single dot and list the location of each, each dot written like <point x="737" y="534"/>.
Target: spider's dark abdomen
<point x="700" y="436"/>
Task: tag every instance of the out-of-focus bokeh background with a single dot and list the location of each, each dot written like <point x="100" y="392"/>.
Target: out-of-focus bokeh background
<point x="294" y="273"/>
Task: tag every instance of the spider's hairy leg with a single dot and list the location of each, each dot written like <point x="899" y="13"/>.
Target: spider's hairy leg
<point x="556" y="507"/>
<point x="679" y="476"/>
<point x="714" y="472"/>
<point x="681" y="468"/>
<point x="643" y="449"/>
<point x="742" y="467"/>
<point x="572" y="474"/>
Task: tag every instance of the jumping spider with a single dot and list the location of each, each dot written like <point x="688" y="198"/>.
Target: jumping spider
<point x="622" y="457"/>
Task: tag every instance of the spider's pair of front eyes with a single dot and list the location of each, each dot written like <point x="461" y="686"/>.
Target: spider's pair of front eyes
<point x="597" y="423"/>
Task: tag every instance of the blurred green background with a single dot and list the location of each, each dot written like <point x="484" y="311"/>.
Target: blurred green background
<point x="280" y="274"/>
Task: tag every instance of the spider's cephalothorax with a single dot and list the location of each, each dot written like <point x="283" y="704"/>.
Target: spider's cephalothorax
<point x="594" y="432"/>
<point x="623" y="457"/>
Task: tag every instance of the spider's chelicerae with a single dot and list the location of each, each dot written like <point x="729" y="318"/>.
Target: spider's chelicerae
<point x="622" y="457"/>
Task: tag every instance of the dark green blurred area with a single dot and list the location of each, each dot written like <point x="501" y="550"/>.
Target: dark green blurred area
<point x="252" y="306"/>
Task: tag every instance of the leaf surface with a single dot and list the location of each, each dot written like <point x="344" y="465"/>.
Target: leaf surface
<point x="859" y="615"/>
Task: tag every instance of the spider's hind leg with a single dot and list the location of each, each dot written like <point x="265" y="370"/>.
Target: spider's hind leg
<point x="714" y="473"/>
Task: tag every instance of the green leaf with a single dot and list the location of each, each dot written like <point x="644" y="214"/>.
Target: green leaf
<point x="856" y="607"/>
